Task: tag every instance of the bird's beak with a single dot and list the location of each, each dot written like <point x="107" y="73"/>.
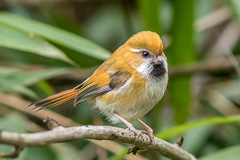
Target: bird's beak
<point x="157" y="60"/>
<point x="163" y="55"/>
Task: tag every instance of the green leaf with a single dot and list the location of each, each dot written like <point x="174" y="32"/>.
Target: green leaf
<point x="30" y="78"/>
<point x="20" y="79"/>
<point x="182" y="128"/>
<point x="121" y="155"/>
<point x="230" y="153"/>
<point x="6" y="84"/>
<point x="235" y="4"/>
<point x="150" y="14"/>
<point x="56" y="35"/>
<point x="11" y="37"/>
<point x="66" y="151"/>
<point x="12" y="123"/>
<point x="194" y="143"/>
<point x="40" y="153"/>
<point x="180" y="97"/>
<point x="45" y="87"/>
<point x="5" y="71"/>
<point x="181" y="51"/>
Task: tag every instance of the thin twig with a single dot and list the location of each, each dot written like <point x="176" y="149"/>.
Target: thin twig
<point x="213" y="19"/>
<point x="227" y="48"/>
<point x="62" y="134"/>
<point x="14" y="154"/>
<point x="213" y="65"/>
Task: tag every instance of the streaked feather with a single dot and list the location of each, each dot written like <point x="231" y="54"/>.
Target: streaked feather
<point x="55" y="99"/>
<point x="91" y="92"/>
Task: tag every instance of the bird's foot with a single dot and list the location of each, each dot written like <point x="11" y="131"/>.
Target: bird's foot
<point x="135" y="131"/>
<point x="151" y="136"/>
<point x="134" y="149"/>
<point x="149" y="132"/>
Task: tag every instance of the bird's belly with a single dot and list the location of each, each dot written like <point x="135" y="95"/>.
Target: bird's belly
<point x="131" y="110"/>
<point x="133" y="104"/>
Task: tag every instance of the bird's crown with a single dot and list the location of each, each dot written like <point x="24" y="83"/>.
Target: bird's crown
<point x="146" y="40"/>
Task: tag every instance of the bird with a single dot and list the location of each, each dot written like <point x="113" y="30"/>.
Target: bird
<point x="124" y="87"/>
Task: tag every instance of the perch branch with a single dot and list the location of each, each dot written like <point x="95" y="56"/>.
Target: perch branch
<point x="62" y="134"/>
<point x="20" y="105"/>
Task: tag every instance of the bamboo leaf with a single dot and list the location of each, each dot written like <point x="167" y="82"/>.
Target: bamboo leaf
<point x="181" y="51"/>
<point x="56" y="35"/>
<point x="16" y="39"/>
<point x="235" y="4"/>
<point x="20" y="79"/>
<point x="6" y="84"/>
<point x="30" y="78"/>
<point x="67" y="151"/>
<point x="230" y="153"/>
<point x="150" y="14"/>
<point x="182" y="128"/>
<point x="15" y="123"/>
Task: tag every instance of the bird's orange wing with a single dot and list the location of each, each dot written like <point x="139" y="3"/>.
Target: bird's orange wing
<point x="95" y="85"/>
<point x="99" y="83"/>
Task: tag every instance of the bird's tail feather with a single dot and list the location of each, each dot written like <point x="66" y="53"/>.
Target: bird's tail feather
<point x="55" y="99"/>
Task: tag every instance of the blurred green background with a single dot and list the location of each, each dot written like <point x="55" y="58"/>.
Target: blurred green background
<point x="47" y="46"/>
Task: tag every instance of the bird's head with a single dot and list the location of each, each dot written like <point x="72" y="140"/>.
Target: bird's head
<point x="144" y="52"/>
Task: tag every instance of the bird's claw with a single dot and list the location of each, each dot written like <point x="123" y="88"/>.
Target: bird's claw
<point x="151" y="136"/>
<point x="136" y="132"/>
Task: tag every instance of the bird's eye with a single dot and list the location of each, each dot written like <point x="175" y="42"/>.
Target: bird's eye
<point x="145" y="54"/>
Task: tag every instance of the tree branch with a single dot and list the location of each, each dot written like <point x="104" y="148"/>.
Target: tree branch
<point x="20" y="105"/>
<point x="62" y="134"/>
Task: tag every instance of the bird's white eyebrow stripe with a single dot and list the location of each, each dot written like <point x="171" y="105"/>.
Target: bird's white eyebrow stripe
<point x="140" y="50"/>
<point x="136" y="50"/>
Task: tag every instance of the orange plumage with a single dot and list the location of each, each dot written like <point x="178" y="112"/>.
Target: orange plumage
<point x="56" y="99"/>
<point x="127" y="85"/>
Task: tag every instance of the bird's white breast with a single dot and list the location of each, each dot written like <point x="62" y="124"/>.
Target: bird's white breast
<point x="137" y="103"/>
<point x="153" y="92"/>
